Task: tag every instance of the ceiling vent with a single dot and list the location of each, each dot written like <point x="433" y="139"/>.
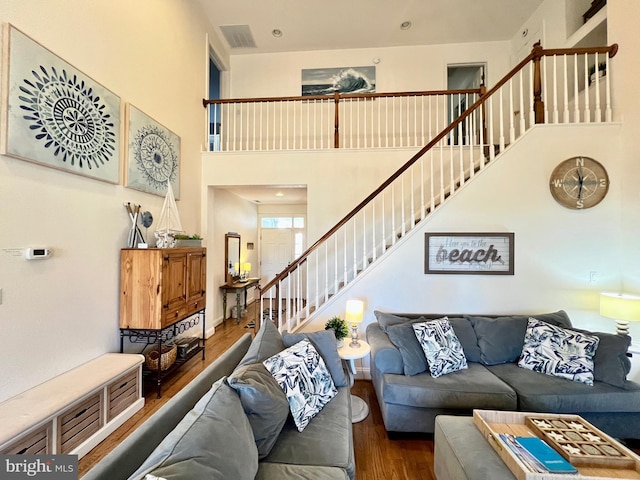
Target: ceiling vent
<point x="238" y="36"/>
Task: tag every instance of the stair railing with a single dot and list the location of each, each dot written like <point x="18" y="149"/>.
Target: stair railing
<point x="550" y="86"/>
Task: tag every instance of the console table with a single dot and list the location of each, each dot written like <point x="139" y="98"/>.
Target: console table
<point x="238" y="287"/>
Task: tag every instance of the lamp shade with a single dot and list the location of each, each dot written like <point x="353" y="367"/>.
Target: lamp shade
<point x="354" y="311"/>
<point x="246" y="267"/>
<point x="620" y="306"/>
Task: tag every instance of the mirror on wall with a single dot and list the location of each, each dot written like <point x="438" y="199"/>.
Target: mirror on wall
<point x="232" y="256"/>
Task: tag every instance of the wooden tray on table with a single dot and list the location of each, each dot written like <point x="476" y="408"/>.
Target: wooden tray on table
<point x="623" y="465"/>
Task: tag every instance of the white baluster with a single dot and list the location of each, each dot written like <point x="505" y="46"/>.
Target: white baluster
<point x="587" y="94"/>
<point x="598" y="110"/>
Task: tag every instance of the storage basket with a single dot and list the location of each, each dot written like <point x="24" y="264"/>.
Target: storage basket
<point x="166" y="359"/>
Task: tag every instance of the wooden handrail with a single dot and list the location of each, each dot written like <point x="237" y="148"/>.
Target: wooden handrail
<point x="536" y="53"/>
<point x="341" y="96"/>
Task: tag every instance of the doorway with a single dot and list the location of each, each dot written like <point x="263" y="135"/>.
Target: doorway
<point x="214" y="110"/>
<point x="282" y="240"/>
<point x="463" y="77"/>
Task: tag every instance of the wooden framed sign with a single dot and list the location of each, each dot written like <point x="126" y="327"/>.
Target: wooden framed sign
<point x="469" y="253"/>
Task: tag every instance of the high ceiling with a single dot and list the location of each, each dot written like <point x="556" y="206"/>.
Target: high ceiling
<point x="339" y="24"/>
<point x="342" y="24"/>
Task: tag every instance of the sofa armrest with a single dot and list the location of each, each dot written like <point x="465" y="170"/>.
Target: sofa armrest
<point x="385" y="357"/>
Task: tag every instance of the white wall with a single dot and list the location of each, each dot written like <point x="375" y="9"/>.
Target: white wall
<point x="58" y="313"/>
<point x="401" y="69"/>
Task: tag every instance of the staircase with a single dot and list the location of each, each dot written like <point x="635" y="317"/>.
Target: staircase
<point x="548" y="86"/>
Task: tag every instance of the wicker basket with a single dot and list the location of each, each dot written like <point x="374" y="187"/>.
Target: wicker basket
<point x="166" y="359"/>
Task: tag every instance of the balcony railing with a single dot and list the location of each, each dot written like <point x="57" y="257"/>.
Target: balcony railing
<point x="374" y="120"/>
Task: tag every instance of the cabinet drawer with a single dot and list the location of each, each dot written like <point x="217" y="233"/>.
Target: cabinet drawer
<point x="122" y="393"/>
<point x="38" y="442"/>
<point x="170" y="317"/>
<point x="78" y="423"/>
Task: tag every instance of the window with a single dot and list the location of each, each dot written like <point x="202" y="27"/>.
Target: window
<point x="282" y="222"/>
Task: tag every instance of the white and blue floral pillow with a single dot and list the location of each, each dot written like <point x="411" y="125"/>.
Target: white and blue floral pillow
<point x="441" y="346"/>
<point x="303" y="376"/>
<point x="559" y="352"/>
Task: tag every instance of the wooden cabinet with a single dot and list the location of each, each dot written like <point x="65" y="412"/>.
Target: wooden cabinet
<point x="160" y="286"/>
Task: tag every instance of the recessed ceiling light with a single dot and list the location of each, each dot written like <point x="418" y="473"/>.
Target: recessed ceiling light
<point x="276" y="32"/>
<point x="405" y="25"/>
<point x="279" y="194"/>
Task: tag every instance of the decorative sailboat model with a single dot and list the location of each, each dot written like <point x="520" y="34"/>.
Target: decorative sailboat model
<point x="169" y="224"/>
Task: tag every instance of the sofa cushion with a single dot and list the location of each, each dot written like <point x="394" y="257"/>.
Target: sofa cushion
<point x="214" y="440"/>
<point x="610" y="363"/>
<point x="538" y="392"/>
<point x="279" y="471"/>
<point x="461" y="326"/>
<point x="404" y="339"/>
<point x="326" y="441"/>
<point x="387" y="319"/>
<point x="474" y="387"/>
<point x="267" y="342"/>
<point x="263" y="402"/>
<point x="500" y="339"/>
<point x="441" y="347"/>
<point x="324" y="342"/>
<point x="301" y="373"/>
<point x="558" y="351"/>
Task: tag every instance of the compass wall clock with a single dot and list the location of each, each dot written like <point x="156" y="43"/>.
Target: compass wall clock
<point x="57" y="116"/>
<point x="579" y="183"/>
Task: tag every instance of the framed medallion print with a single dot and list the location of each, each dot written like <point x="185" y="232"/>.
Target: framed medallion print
<point x="153" y="155"/>
<point x="55" y="115"/>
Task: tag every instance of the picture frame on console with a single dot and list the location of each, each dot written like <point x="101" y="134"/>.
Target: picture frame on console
<point x="469" y="253"/>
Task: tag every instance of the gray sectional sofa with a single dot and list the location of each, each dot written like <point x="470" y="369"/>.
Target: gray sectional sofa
<point x="229" y="423"/>
<point x="410" y="398"/>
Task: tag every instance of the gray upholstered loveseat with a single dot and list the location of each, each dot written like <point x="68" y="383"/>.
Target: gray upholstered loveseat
<point x="241" y="431"/>
<point x="410" y="399"/>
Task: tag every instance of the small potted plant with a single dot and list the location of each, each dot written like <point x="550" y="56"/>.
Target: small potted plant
<point x="339" y="327"/>
<point x="188" y="240"/>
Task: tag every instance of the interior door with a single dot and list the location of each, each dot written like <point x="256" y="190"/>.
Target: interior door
<point x="277" y="252"/>
<point x="463" y="77"/>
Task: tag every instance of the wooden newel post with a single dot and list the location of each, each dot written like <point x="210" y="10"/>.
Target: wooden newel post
<point x="336" y="121"/>
<point x="483" y="115"/>
<point x="538" y="104"/>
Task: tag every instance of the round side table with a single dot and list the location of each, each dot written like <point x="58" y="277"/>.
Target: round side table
<point x="359" y="408"/>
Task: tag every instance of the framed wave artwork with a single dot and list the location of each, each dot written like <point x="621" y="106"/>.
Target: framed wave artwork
<point x="325" y="81"/>
<point x="153" y="155"/>
<point x="55" y="115"/>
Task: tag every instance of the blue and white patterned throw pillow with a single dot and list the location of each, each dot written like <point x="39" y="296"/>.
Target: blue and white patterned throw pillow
<point x="559" y="352"/>
<point x="441" y="346"/>
<point x="305" y="380"/>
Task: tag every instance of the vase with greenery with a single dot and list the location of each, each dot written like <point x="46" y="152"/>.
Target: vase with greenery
<point x="339" y="327"/>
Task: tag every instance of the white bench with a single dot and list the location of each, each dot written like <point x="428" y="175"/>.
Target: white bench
<point x="73" y="412"/>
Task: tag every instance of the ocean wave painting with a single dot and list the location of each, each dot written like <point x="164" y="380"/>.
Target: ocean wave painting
<point x="325" y="81"/>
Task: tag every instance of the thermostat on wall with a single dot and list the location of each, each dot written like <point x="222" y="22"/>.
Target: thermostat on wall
<point x="37" y="253"/>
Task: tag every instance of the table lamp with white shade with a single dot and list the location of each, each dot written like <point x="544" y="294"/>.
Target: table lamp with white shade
<point x="353" y="316"/>
<point x="623" y="308"/>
